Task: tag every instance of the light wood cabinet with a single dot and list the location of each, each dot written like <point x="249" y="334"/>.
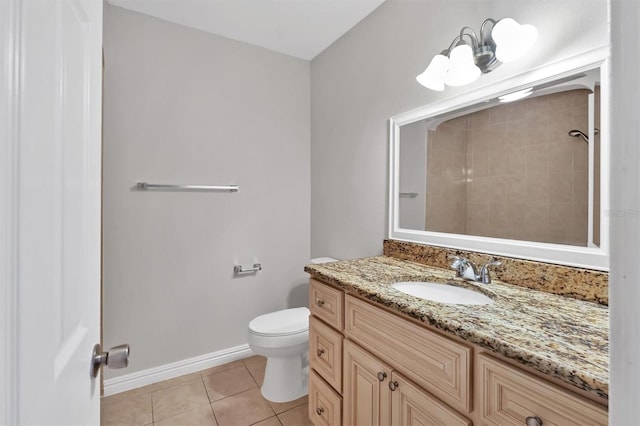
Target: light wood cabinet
<point x="325" y="404"/>
<point x="412" y="405"/>
<point x="326" y="303"/>
<point x="366" y="388"/>
<point x="325" y="352"/>
<point x="376" y="395"/>
<point x="436" y="363"/>
<point x="510" y="395"/>
<point x="357" y="349"/>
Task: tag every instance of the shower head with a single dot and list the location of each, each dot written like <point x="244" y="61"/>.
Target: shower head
<point x="580" y="134"/>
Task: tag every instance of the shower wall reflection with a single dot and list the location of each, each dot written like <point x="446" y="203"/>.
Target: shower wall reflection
<point x="510" y="171"/>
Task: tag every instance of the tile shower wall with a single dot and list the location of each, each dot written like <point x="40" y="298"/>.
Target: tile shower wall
<point x="447" y="178"/>
<point x="512" y="171"/>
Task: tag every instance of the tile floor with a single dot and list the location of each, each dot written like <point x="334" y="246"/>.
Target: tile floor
<point x="228" y="394"/>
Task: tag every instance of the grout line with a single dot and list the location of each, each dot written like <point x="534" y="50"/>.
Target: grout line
<point x="215" y="418"/>
<point x="206" y="390"/>
<point x="153" y="419"/>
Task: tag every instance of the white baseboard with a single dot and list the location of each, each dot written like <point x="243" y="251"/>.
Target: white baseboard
<point x="174" y="369"/>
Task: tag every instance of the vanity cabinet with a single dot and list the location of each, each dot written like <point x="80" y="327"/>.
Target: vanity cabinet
<point x="366" y="388"/>
<point x="509" y="396"/>
<point x="325" y="352"/>
<point x="436" y="363"/>
<point x="325" y="404"/>
<point x="326" y="304"/>
<point x="377" y="395"/>
<point x="370" y="366"/>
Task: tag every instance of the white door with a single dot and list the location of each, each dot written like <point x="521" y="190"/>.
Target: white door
<point x="57" y="194"/>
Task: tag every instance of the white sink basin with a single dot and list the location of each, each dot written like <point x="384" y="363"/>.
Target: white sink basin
<point x="442" y="293"/>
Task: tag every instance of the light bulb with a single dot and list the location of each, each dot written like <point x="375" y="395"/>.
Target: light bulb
<point x="433" y="76"/>
<point x="514" y="96"/>
<point x="512" y="39"/>
<point x="462" y="68"/>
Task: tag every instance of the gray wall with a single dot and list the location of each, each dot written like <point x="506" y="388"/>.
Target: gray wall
<point x="368" y="75"/>
<point x="183" y="106"/>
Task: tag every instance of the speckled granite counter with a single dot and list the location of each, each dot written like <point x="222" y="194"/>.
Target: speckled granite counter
<point x="558" y="336"/>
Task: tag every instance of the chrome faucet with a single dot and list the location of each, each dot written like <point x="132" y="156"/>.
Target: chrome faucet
<point x="466" y="269"/>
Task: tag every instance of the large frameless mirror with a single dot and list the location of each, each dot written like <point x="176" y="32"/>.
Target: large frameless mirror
<point x="518" y="171"/>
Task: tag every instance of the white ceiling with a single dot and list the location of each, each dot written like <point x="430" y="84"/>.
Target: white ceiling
<point x="300" y="28"/>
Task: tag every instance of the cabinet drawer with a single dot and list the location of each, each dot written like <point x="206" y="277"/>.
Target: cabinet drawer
<point x="325" y="405"/>
<point x="413" y="406"/>
<point x="325" y="352"/>
<point x="434" y="362"/>
<point x="327" y="303"/>
<point x="510" y="395"/>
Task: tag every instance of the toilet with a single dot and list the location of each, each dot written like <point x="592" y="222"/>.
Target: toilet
<point x="283" y="338"/>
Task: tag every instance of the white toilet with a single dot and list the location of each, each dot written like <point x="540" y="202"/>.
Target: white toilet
<point x="283" y="337"/>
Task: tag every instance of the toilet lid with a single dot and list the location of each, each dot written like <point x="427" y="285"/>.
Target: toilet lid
<point x="281" y="323"/>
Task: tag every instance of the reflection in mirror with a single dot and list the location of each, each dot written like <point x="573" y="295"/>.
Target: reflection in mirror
<point x="524" y="170"/>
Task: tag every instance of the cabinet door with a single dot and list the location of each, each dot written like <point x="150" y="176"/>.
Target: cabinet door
<point x="366" y="388"/>
<point x="411" y="405"/>
<point x="510" y="395"/>
<point x="434" y="362"/>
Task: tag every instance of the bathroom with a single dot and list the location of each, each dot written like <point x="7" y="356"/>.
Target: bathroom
<point x="307" y="142"/>
<point x="311" y="167"/>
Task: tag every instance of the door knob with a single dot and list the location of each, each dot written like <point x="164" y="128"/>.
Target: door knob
<point x="533" y="421"/>
<point x="116" y="357"/>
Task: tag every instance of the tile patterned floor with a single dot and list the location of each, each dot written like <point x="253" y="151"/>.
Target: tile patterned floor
<point x="227" y="395"/>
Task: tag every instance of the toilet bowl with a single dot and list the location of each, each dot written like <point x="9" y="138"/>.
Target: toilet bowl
<point x="283" y="338"/>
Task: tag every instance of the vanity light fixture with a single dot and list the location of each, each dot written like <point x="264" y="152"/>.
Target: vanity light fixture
<point x="468" y="56"/>
<point x="514" y="96"/>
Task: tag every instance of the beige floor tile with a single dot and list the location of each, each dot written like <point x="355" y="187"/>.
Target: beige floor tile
<point x="123" y="396"/>
<point x="178" y="399"/>
<point x="135" y="411"/>
<point x="199" y="416"/>
<point x="245" y="408"/>
<point x="223" y="367"/>
<point x="298" y="416"/>
<point x="281" y="407"/>
<point x="256" y="365"/>
<point x="187" y="378"/>
<point x="226" y="383"/>
<point x="271" y="421"/>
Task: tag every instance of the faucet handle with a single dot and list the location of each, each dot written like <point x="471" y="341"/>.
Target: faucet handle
<point x="457" y="260"/>
<point x="485" y="277"/>
<point x="458" y="264"/>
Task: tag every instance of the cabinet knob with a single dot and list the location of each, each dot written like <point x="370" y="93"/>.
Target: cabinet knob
<point x="382" y="375"/>
<point x="393" y="386"/>
<point x="533" y="421"/>
<point x="320" y="352"/>
<point x="319" y="411"/>
<point x="320" y="302"/>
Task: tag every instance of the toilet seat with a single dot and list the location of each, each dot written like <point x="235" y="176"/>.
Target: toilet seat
<point x="287" y="322"/>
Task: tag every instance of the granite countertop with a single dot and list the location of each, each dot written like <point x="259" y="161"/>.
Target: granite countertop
<point x="558" y="336"/>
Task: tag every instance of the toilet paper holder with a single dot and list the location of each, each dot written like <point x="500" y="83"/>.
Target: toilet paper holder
<point x="238" y="269"/>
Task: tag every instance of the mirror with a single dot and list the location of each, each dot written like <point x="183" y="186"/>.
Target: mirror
<point x="521" y="178"/>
